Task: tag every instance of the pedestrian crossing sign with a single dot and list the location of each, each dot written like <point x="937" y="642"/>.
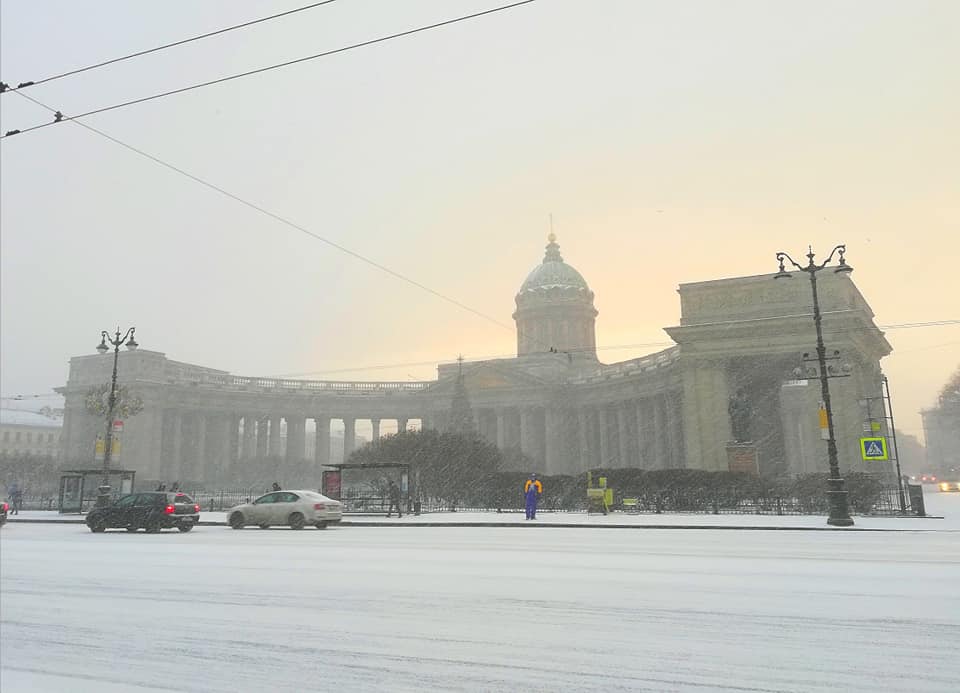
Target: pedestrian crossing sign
<point x="873" y="449"/>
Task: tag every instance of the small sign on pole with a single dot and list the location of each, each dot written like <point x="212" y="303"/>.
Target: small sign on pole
<point x="873" y="449"/>
<point x="824" y="423"/>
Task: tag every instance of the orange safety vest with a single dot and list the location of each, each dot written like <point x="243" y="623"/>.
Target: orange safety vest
<point x="531" y="482"/>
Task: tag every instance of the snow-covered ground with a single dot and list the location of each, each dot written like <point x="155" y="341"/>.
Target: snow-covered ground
<point x="485" y="609"/>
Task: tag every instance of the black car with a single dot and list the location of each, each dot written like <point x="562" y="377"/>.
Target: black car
<point x="153" y="511"/>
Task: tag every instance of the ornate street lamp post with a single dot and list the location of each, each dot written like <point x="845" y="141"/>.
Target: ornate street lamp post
<point x="103" y="496"/>
<point x="837" y="492"/>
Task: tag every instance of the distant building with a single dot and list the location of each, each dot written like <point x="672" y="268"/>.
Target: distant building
<point x="30" y="432"/>
<point x="941" y="428"/>
<point x="912" y="454"/>
<point x="738" y="346"/>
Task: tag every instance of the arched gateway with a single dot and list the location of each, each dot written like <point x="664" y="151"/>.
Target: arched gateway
<point x="737" y="338"/>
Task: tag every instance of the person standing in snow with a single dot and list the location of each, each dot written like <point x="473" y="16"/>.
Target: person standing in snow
<point x="532" y="490"/>
<point x="15" y="494"/>
<point x="394" y="494"/>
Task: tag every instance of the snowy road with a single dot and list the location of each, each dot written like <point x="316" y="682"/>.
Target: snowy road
<point x="485" y="609"/>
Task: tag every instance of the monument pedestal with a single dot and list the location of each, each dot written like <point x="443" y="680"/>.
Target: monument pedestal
<point x="743" y="457"/>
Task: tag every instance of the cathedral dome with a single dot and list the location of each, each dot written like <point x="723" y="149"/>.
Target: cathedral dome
<point x="555" y="310"/>
<point x="553" y="273"/>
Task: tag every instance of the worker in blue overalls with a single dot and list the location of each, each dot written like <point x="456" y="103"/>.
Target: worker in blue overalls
<point x="532" y="490"/>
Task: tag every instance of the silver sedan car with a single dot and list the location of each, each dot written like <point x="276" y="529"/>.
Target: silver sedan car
<point x="294" y="508"/>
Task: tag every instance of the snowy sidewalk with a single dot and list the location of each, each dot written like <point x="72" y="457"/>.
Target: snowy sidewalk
<point x="944" y="511"/>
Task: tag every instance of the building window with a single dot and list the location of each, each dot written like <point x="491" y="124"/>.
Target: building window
<point x="16" y="437"/>
<point x="49" y="437"/>
<point x="29" y="436"/>
<point x="6" y="436"/>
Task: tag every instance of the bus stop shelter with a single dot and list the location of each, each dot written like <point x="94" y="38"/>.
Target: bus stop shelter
<point x="78" y="487"/>
<point x="363" y="488"/>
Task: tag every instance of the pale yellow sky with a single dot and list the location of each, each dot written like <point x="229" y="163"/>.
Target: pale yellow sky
<point x="672" y="142"/>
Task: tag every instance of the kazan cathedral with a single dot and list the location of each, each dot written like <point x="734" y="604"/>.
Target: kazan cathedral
<point x="735" y="376"/>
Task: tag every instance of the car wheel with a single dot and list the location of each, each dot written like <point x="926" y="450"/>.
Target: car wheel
<point x="322" y="524"/>
<point x="237" y="521"/>
<point x="97" y="527"/>
<point x="132" y="528"/>
<point x="296" y="520"/>
<point x="185" y="526"/>
<point x="264" y="526"/>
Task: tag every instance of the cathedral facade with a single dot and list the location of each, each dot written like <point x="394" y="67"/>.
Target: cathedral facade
<point x="738" y="357"/>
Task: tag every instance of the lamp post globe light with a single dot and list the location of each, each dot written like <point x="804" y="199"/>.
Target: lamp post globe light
<point x="103" y="495"/>
<point x="837" y="492"/>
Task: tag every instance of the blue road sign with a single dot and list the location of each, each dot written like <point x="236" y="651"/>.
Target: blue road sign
<point x="874" y="449"/>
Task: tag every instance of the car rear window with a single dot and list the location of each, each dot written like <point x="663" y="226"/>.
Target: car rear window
<point x="183" y="498"/>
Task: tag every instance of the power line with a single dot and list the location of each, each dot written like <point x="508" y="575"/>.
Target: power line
<point x="610" y="347"/>
<point x="277" y="217"/>
<point x="33" y="83"/>
<point x="474" y="359"/>
<point x="60" y="118"/>
<point x="24" y="398"/>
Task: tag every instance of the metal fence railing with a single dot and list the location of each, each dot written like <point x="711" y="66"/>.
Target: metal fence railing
<point x="886" y="502"/>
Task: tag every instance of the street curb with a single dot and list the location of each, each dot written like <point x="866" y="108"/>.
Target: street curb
<point x="563" y="525"/>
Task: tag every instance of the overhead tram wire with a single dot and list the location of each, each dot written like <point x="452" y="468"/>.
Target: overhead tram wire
<point x="586" y="349"/>
<point x="33" y="83"/>
<point x="277" y="217"/>
<point x="59" y="117"/>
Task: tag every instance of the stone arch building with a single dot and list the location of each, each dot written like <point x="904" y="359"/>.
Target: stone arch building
<point x="555" y="401"/>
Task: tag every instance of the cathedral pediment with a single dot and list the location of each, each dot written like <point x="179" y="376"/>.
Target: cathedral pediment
<point x="487" y="375"/>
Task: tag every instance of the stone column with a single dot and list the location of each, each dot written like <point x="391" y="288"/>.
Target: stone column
<point x="296" y="440"/>
<point x="660" y="433"/>
<point x="249" y="436"/>
<point x="675" y="429"/>
<point x="583" y="439"/>
<point x="638" y="412"/>
<point x="527" y="441"/>
<point x="211" y="447"/>
<point x="233" y="440"/>
<point x="349" y="436"/>
<point x="275" y="446"/>
<point x="553" y="441"/>
<point x="402" y="424"/>
<point x="501" y="429"/>
<point x="375" y="438"/>
<point x="154" y="434"/>
<point x="176" y="434"/>
<point x="321" y="451"/>
<point x="263" y="433"/>
<point x="623" y="435"/>
<point x="66" y="434"/>
<point x="198" y="454"/>
<point x="603" y="424"/>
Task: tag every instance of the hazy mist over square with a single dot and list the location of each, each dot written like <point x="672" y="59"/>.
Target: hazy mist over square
<point x="672" y="142"/>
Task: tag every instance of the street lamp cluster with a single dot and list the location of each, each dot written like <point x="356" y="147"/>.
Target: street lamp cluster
<point x="837" y="492"/>
<point x="103" y="496"/>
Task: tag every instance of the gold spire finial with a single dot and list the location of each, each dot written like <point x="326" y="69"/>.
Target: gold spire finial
<point x="552" y="237"/>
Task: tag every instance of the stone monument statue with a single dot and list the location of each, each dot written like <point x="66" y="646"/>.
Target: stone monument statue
<point x="740" y="415"/>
